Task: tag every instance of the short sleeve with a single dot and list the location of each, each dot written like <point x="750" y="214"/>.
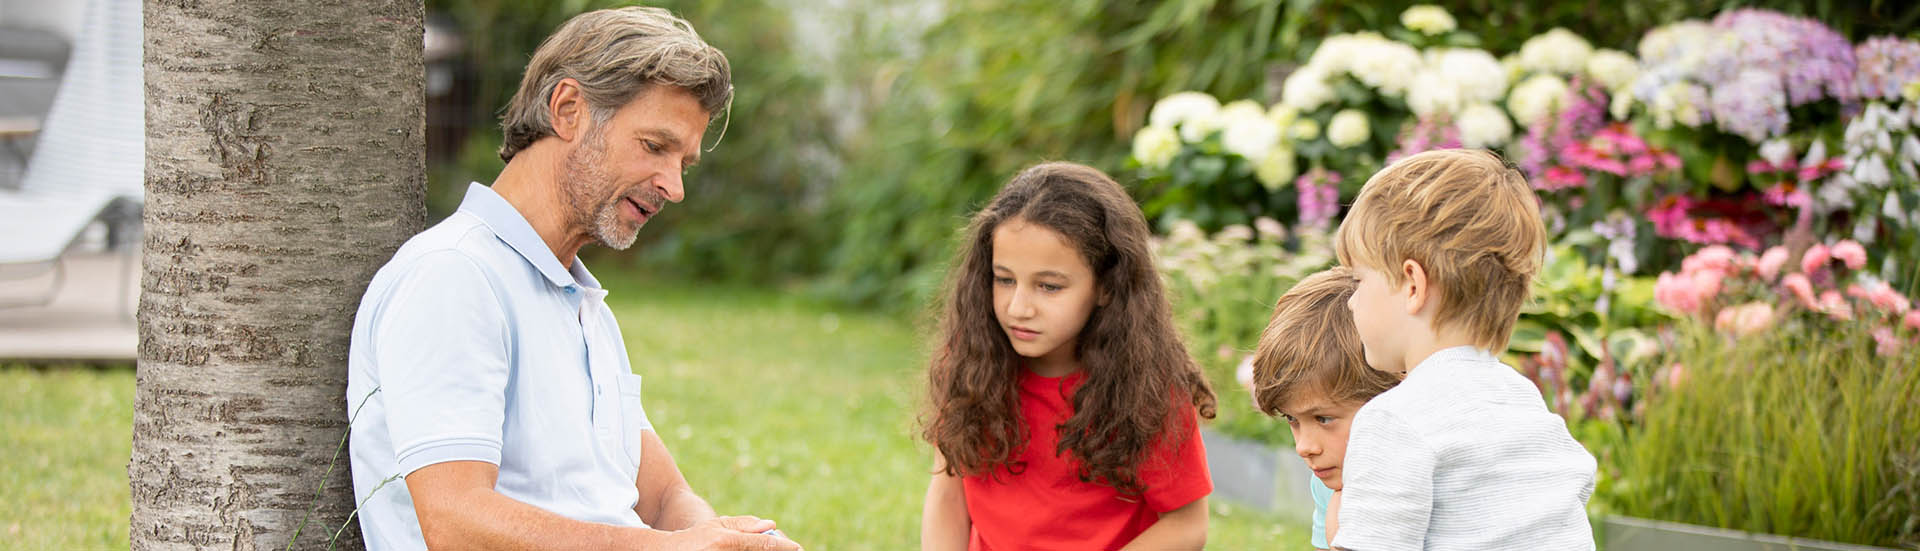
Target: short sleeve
<point x="440" y="350"/>
<point x="1322" y="497"/>
<point x="1387" y="484"/>
<point x="1176" y="473"/>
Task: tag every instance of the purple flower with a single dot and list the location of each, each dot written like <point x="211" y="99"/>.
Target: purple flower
<point x="1425" y="135"/>
<point x="1886" y="64"/>
<point x="1751" y="105"/>
<point x="1808" y="57"/>
<point x="1319" y="197"/>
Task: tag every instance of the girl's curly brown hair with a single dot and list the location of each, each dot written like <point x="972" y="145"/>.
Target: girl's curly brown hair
<point x="1137" y="369"/>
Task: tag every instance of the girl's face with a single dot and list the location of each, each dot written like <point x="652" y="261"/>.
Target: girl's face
<point x="1043" y="292"/>
<point x="1319" y="428"/>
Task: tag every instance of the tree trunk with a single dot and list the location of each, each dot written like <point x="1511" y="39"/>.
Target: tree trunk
<point x="284" y="166"/>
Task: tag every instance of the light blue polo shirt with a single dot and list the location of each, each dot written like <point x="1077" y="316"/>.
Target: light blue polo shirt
<point x="474" y="343"/>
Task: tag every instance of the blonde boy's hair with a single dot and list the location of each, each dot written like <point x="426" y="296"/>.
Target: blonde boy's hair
<point x="1311" y="346"/>
<point x="1471" y="222"/>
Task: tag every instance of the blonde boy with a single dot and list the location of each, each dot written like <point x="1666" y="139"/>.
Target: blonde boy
<point x="1463" y="454"/>
<point x="1309" y="369"/>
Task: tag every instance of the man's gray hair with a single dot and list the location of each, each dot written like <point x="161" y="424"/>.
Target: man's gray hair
<point x="615" y="54"/>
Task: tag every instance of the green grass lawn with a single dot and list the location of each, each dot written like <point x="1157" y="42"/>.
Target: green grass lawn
<point x="772" y="407"/>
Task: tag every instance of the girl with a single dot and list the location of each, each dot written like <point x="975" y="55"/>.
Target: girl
<point x="1062" y="403"/>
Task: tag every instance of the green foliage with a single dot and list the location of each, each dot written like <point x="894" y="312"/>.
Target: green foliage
<point x="1224" y="287"/>
<point x="769" y="155"/>
<point x="1800" y="433"/>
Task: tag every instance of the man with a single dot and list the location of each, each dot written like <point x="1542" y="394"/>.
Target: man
<point x="495" y="404"/>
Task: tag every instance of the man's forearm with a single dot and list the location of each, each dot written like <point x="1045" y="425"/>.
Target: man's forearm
<point x="682" y="508"/>
<point x="485" y="519"/>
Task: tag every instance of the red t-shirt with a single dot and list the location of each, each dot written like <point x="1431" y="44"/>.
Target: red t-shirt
<point x="1046" y="506"/>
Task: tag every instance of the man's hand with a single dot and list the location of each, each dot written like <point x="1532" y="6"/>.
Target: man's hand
<point x="730" y="534"/>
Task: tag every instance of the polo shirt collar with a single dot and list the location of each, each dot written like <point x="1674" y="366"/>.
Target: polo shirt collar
<point x="507" y="223"/>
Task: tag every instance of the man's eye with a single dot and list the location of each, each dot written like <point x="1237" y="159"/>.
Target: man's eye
<point x="652" y="147"/>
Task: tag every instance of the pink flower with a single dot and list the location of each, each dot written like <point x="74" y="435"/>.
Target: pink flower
<point x="1706" y="284"/>
<point x="1887" y="344"/>
<point x="1851" y="253"/>
<point x="1717" y="257"/>
<point x="1563" y="177"/>
<point x="1815" y="258"/>
<point x="1771" y="262"/>
<point x="1799" y="285"/>
<point x="1676" y="292"/>
<point x="1882" y="296"/>
<point x="1913" y="320"/>
<point x="1836" y="306"/>
<point x="1745" y="319"/>
<point x="1676" y="374"/>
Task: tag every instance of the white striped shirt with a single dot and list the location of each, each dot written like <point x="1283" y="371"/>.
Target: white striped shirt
<point x="1463" y="455"/>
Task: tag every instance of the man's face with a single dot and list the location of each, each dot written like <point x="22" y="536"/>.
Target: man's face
<point x="1320" y="428"/>
<point x="624" y="171"/>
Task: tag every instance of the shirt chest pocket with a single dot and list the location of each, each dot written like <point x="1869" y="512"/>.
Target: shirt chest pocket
<point x="633" y="417"/>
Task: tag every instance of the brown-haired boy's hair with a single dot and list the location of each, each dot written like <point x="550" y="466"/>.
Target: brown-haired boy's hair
<point x="1471" y="222"/>
<point x="1139" y="377"/>
<point x="1310" y="346"/>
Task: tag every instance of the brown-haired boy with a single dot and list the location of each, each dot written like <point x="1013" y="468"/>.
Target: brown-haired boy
<point x="1309" y="369"/>
<point x="1463" y="454"/>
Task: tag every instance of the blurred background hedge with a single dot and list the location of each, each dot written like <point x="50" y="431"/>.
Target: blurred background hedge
<point x="864" y="132"/>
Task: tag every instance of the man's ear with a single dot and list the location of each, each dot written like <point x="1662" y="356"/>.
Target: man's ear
<point x="567" y="110"/>
<point x="1414" y="286"/>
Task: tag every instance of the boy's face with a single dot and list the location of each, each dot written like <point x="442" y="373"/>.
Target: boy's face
<point x="1379" y="316"/>
<point x="1319" y="428"/>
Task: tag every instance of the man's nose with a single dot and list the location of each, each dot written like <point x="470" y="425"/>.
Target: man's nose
<point x="672" y="186"/>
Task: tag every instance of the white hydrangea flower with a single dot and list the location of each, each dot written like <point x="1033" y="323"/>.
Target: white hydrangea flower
<point x="1556" y="51"/>
<point x="1475" y="72"/>
<point x="1194" y="114"/>
<point x="1386" y="66"/>
<point x="1536" y="98"/>
<point x="1250" y="137"/>
<point x="1432" y="93"/>
<point x="1483" y="125"/>
<point x="1306" y="89"/>
<point x="1428" y="19"/>
<point x="1241" y="109"/>
<point x="1155" y="146"/>
<point x="1277" y="169"/>
<point x="1613" y="69"/>
<point x="1620" y="106"/>
<point x="1348" y="128"/>
<point x="1305" y="130"/>
<point x="1282" y="116"/>
<point x="1776" y="150"/>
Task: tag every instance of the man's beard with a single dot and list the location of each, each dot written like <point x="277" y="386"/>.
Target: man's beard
<point x="587" y="183"/>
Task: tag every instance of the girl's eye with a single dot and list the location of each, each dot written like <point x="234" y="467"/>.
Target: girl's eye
<point x="1049" y="287"/>
<point x="1002" y="280"/>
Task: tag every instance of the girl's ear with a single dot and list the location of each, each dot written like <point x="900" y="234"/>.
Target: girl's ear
<point x="1105" y="296"/>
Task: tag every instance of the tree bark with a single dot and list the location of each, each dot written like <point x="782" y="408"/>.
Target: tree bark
<point x="284" y="166"/>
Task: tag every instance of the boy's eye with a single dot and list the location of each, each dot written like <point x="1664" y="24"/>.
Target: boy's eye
<point x="1323" y="419"/>
<point x="1049" y="287"/>
<point x="1289" y="418"/>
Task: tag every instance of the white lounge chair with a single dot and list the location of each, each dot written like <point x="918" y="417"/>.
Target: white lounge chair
<point x="89" y="162"/>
